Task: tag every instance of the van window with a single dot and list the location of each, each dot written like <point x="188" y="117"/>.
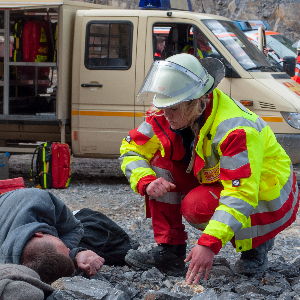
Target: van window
<point x="281" y="45"/>
<point x="236" y="42"/>
<point x="108" y="45"/>
<point x="173" y="38"/>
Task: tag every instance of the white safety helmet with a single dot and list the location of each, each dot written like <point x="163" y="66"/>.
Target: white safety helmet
<point x="181" y="77"/>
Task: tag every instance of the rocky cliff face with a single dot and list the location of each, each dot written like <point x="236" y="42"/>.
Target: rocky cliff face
<point x="282" y="15"/>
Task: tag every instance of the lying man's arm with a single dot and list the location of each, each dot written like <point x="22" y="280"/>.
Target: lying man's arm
<point x="89" y="262"/>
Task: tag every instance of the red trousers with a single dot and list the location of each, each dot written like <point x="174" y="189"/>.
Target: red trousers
<point x="195" y="202"/>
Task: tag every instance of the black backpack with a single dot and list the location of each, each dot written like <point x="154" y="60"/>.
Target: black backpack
<point x="18" y="40"/>
<point x="42" y="177"/>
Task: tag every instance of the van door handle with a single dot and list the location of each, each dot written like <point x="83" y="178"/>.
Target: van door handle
<point x="91" y="85"/>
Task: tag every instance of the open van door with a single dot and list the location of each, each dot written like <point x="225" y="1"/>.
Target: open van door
<point x="262" y="40"/>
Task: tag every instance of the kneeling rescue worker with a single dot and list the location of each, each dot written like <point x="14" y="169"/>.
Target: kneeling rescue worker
<point x="204" y="156"/>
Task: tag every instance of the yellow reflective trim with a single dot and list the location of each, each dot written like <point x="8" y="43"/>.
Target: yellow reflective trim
<point x="129" y="159"/>
<point x="44" y="168"/>
<point x="107" y="113"/>
<point x="236" y="214"/>
<point x="200" y="53"/>
<point x="43" y="38"/>
<point x="45" y="181"/>
<point x="137" y="174"/>
<point x="207" y="146"/>
<point x="68" y="181"/>
<point x="243" y="245"/>
<point x="272" y="119"/>
<point x="147" y="150"/>
<point x="219" y="230"/>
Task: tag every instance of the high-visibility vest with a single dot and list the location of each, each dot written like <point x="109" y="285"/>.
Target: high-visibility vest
<point x="200" y="54"/>
<point x="190" y="49"/>
<point x="239" y="150"/>
<point x="297" y="71"/>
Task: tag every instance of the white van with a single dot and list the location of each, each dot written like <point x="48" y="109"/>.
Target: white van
<point x="278" y="45"/>
<point x="102" y="56"/>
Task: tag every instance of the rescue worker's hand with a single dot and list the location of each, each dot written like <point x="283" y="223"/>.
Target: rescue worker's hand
<point x="202" y="258"/>
<point x="89" y="262"/>
<point x="159" y="187"/>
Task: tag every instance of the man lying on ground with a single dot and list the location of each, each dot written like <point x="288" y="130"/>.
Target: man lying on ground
<point x="39" y="231"/>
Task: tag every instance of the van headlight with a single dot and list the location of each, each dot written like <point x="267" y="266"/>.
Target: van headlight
<point x="292" y="119"/>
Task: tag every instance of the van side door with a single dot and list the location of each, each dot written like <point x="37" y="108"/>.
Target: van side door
<point x="103" y="84"/>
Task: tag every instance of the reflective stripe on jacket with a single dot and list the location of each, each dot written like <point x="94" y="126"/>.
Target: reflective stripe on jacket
<point x="237" y="148"/>
<point x="190" y="49"/>
<point x="297" y="73"/>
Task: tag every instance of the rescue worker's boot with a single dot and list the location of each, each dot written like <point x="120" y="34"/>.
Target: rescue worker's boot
<point x="169" y="259"/>
<point x="254" y="260"/>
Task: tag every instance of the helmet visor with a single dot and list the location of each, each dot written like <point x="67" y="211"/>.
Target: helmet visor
<point x="172" y="84"/>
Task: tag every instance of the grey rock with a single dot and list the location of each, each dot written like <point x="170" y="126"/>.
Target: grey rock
<point x="295" y="281"/>
<point x="286" y="296"/>
<point x="129" y="275"/>
<point x="158" y="295"/>
<point x="282" y="283"/>
<point x="270" y="290"/>
<point x="245" y="288"/>
<point x="229" y="296"/>
<point x="269" y="279"/>
<point x="126" y="290"/>
<point x="101" y="277"/>
<point x="167" y="283"/>
<point x="229" y="287"/>
<point x="253" y="296"/>
<point x="188" y="289"/>
<point x="221" y="261"/>
<point x="216" y="282"/>
<point x="155" y="273"/>
<point x="207" y="294"/>
<point x="82" y="288"/>
<point x="218" y="271"/>
<point x="296" y="287"/>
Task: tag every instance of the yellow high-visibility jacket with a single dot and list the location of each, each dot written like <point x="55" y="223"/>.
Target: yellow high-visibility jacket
<point x="236" y="148"/>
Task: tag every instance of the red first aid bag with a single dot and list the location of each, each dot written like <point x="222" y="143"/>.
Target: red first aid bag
<point x="61" y="160"/>
<point x="8" y="185"/>
<point x="52" y="168"/>
<point x="36" y="41"/>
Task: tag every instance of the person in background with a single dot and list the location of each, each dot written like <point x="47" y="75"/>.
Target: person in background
<point x="203" y="48"/>
<point x="297" y="68"/>
<point x="160" y="48"/>
<point x="204" y="156"/>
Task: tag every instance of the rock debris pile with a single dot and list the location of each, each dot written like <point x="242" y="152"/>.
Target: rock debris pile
<point x="100" y="185"/>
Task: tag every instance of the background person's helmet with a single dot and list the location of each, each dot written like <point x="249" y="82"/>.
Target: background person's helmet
<point x="179" y="78"/>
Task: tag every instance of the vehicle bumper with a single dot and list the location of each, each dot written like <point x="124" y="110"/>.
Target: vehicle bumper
<point x="291" y="144"/>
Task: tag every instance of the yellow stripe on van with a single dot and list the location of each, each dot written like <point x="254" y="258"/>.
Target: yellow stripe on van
<point x="272" y="119"/>
<point x="107" y="113"/>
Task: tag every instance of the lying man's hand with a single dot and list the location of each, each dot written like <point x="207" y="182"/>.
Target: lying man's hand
<point x="89" y="262"/>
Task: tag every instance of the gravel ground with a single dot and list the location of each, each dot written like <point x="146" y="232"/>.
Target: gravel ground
<point x="100" y="185"/>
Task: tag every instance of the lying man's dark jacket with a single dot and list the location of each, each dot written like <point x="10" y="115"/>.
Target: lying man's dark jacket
<point x="26" y="211"/>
